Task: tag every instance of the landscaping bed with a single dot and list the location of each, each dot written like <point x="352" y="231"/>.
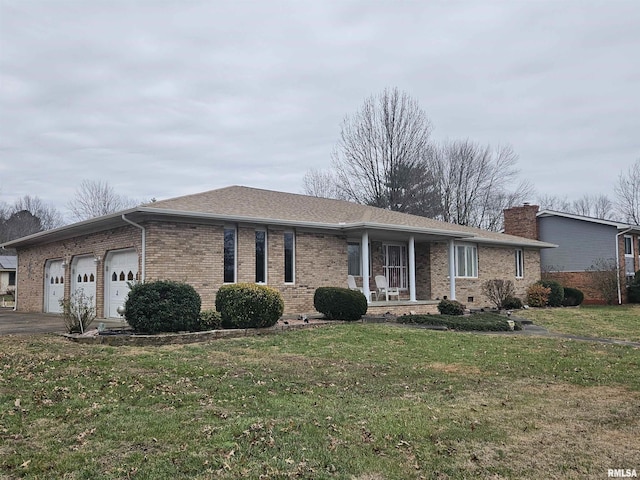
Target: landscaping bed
<point x="479" y="322"/>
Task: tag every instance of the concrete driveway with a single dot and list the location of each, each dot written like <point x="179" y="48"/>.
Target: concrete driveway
<point x="19" y="323"/>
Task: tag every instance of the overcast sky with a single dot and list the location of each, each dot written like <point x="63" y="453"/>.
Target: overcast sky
<point x="166" y="98"/>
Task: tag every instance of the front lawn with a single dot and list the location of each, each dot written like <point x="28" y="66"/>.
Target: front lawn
<point x="351" y="401"/>
<point x="621" y="322"/>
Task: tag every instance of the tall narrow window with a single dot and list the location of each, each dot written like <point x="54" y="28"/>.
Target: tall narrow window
<point x="353" y="255"/>
<point x="466" y="261"/>
<point x="519" y="263"/>
<point x="628" y="246"/>
<point x="229" y="255"/>
<point x="289" y="257"/>
<point x="261" y="256"/>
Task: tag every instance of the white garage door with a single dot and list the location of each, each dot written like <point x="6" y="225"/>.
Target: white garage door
<point x="83" y="278"/>
<point x="53" y="286"/>
<point x="121" y="268"/>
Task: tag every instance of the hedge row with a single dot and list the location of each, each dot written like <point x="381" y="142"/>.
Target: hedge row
<point x="479" y="322"/>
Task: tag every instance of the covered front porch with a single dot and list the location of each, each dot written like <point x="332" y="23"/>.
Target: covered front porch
<point x="418" y="267"/>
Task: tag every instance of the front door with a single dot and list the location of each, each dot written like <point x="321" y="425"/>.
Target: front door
<point x="395" y="265"/>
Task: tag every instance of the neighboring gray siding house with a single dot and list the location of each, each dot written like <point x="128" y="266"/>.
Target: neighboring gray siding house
<point x="584" y="244"/>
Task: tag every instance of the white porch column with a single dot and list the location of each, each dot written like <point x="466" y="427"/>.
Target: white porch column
<point x="412" y="269"/>
<point x="452" y="270"/>
<point x="364" y="248"/>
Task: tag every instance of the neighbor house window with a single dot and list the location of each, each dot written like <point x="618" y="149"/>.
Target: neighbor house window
<point x="261" y="256"/>
<point x="229" y="255"/>
<point x="466" y="261"/>
<point x="289" y="257"/>
<point x="353" y="254"/>
<point x="519" y="263"/>
<point x="12" y="279"/>
<point x="628" y="246"/>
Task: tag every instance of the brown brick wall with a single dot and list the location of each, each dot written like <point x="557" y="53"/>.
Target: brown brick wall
<point x="194" y="253"/>
<point x="522" y="221"/>
<point x="493" y="263"/>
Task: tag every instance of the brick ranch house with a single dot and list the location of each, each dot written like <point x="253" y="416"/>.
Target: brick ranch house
<point x="583" y="242"/>
<point x="294" y="243"/>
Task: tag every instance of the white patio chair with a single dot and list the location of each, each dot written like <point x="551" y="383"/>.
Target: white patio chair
<point x="351" y="283"/>
<point x="383" y="287"/>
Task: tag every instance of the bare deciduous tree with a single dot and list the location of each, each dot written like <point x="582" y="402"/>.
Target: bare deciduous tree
<point x="380" y="158"/>
<point x="554" y="202"/>
<point x="627" y="192"/>
<point x="597" y="206"/>
<point x="321" y="183"/>
<point x="49" y="216"/>
<point x="97" y="198"/>
<point x="477" y="183"/>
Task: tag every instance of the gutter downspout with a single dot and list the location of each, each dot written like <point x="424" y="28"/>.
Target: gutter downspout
<point x="144" y="246"/>
<point x="15" y="292"/>
<point x="617" y="263"/>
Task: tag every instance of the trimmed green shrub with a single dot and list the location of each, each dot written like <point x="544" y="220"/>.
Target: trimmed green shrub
<point x="247" y="305"/>
<point x="556" y="296"/>
<point x="538" y="295"/>
<point x="163" y="306"/>
<point x="633" y="290"/>
<point x="450" y="307"/>
<point x="572" y="297"/>
<point x="483" y="322"/>
<point x="210" y="320"/>
<point x="337" y="303"/>
<point x="512" y="303"/>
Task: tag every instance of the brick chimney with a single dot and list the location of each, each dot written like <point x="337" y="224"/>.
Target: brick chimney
<point x="522" y="221"/>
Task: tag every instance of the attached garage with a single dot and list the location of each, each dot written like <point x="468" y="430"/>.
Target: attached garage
<point x="53" y="286"/>
<point x="121" y="268"/>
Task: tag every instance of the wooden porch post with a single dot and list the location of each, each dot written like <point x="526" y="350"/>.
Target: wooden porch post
<point x="412" y="269"/>
<point x="452" y="270"/>
<point x="364" y="247"/>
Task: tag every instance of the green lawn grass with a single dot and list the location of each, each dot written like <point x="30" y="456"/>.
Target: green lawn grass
<point x="353" y="401"/>
<point x="621" y="322"/>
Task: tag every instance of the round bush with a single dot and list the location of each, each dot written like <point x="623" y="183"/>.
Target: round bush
<point x="210" y="320"/>
<point x="450" y="307"/>
<point x="557" y="292"/>
<point x="337" y="303"/>
<point x="572" y="297"/>
<point x="537" y="295"/>
<point x="163" y="306"/>
<point x="247" y="305"/>
<point x="512" y="303"/>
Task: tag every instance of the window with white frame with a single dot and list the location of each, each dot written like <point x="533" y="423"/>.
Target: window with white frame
<point x="628" y="245"/>
<point x="466" y="260"/>
<point x="229" y="255"/>
<point x="289" y="257"/>
<point x="261" y="256"/>
<point x="519" y="263"/>
<point x="354" y="259"/>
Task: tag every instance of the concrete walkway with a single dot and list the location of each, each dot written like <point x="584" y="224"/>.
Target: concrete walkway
<point x="19" y="323"/>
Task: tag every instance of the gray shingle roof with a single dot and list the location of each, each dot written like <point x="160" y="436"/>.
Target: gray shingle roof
<point x="246" y="202"/>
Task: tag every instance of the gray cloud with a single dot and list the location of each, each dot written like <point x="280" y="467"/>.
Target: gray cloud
<point x="164" y="98"/>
